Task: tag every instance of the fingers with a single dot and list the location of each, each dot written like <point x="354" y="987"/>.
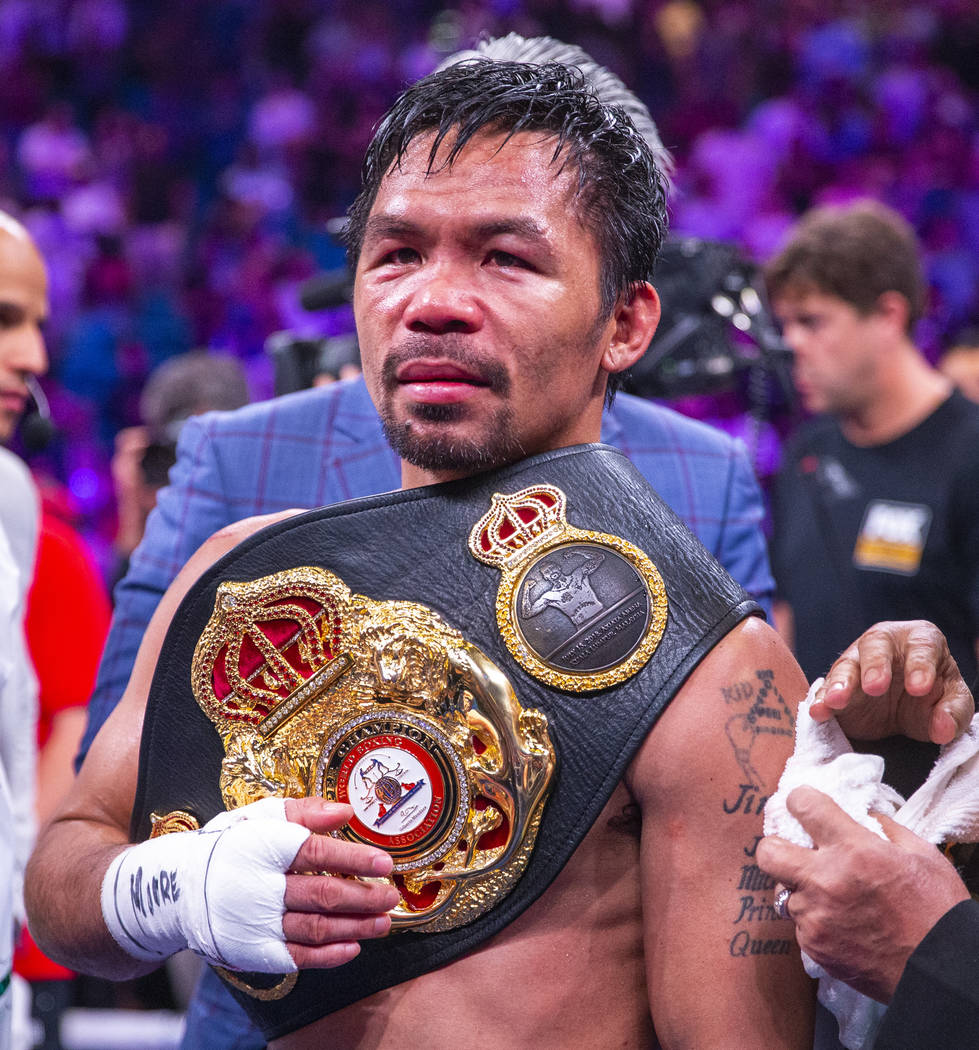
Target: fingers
<point x="868" y="665"/>
<point x="784" y="861"/>
<point x="316" y="930"/>
<point x="825" y="822"/>
<point x="822" y="818"/>
<point x="320" y="894"/>
<point x="325" y="853"/>
<point x="322" y="852"/>
<point x="838" y="688"/>
<point x="902" y="836"/>
<point x="945" y="706"/>
<point x="864" y="667"/>
<point x="915" y="647"/>
<point x="327" y="915"/>
<point x="324" y="957"/>
<point x="925" y="652"/>
<point x="953" y="714"/>
<point x="897" y="677"/>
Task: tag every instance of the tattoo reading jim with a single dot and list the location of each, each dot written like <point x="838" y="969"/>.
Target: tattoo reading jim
<point x="760" y="708"/>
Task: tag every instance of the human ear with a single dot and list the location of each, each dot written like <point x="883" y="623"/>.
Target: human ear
<point x="895" y="309"/>
<point x="635" y="324"/>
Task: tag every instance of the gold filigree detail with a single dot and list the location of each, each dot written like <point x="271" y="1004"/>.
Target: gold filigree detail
<point x="315" y="690"/>
<point x="174" y="821"/>
<point x="279" y="990"/>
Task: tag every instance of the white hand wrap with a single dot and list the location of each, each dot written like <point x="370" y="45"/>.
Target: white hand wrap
<point x="219" y="891"/>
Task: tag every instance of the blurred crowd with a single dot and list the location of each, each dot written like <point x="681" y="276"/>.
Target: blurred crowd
<point x="179" y="164"/>
<point x="183" y="168"/>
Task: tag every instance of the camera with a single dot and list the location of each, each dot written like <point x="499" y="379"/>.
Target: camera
<point x="298" y="361"/>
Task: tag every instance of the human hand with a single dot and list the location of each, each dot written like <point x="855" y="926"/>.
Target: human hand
<point x="897" y="677"/>
<point x="327" y="915"/>
<point x="861" y="904"/>
<point x="246" y="891"/>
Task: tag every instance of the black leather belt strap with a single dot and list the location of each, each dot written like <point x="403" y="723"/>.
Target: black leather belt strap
<point x="413" y="545"/>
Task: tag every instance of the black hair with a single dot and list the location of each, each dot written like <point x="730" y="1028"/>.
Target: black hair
<point x="621" y="191"/>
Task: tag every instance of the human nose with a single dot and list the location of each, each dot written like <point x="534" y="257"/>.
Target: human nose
<point x="793" y="336"/>
<point x="443" y="302"/>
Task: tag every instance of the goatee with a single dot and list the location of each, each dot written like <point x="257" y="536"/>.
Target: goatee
<point x="429" y="449"/>
<point x="443" y="452"/>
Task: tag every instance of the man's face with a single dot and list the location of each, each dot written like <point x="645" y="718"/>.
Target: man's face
<point x="23" y="309"/>
<point x="478" y="309"/>
<point x="834" y="348"/>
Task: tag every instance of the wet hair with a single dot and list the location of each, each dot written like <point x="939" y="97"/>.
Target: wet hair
<point x="855" y="253"/>
<point x="539" y="50"/>
<point x="621" y="192"/>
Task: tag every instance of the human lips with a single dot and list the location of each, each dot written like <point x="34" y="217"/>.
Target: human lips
<point x="13" y="401"/>
<point x="440" y="382"/>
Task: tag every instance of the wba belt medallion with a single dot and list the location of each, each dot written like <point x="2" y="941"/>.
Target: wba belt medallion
<point x="579" y="610"/>
<point x="382" y="705"/>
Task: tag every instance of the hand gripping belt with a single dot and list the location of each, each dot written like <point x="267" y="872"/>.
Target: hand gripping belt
<point x="413" y="545"/>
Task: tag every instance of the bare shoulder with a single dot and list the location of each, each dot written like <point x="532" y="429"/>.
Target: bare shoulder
<point x="735" y="714"/>
<point x="231" y="535"/>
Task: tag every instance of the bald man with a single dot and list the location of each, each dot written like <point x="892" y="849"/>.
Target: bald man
<point x="23" y="311"/>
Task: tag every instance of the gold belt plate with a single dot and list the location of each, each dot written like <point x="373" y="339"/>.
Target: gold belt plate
<point x="382" y="705"/>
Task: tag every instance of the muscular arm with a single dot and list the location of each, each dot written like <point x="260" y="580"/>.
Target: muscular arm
<point x="701" y="780"/>
<point x="65" y="874"/>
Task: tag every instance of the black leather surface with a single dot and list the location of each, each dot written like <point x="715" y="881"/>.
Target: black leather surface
<point x="413" y="545"/>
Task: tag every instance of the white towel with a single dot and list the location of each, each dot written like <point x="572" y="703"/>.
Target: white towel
<point x="944" y="808"/>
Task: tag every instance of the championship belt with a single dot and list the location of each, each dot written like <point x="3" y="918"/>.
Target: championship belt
<point x="470" y="666"/>
<point x="383" y="706"/>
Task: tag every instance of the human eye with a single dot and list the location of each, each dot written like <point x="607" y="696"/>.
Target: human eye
<point x="10" y="315"/>
<point x="400" y="256"/>
<point x="508" y="260"/>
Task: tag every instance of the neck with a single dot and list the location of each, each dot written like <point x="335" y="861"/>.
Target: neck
<point x="413" y="477"/>
<point x="906" y="393"/>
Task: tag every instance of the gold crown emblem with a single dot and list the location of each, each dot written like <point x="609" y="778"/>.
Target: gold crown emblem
<point x="518" y="523"/>
<point x="267" y="644"/>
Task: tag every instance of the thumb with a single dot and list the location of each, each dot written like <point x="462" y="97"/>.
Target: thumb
<point x="320" y="816"/>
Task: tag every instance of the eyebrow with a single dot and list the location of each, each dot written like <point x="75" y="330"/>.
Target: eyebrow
<point x="526" y="228"/>
<point x="380" y="226"/>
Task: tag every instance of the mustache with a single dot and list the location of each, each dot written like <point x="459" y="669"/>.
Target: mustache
<point x="452" y="348"/>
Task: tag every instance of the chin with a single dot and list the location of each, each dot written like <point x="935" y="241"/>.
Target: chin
<point x="446" y="449"/>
